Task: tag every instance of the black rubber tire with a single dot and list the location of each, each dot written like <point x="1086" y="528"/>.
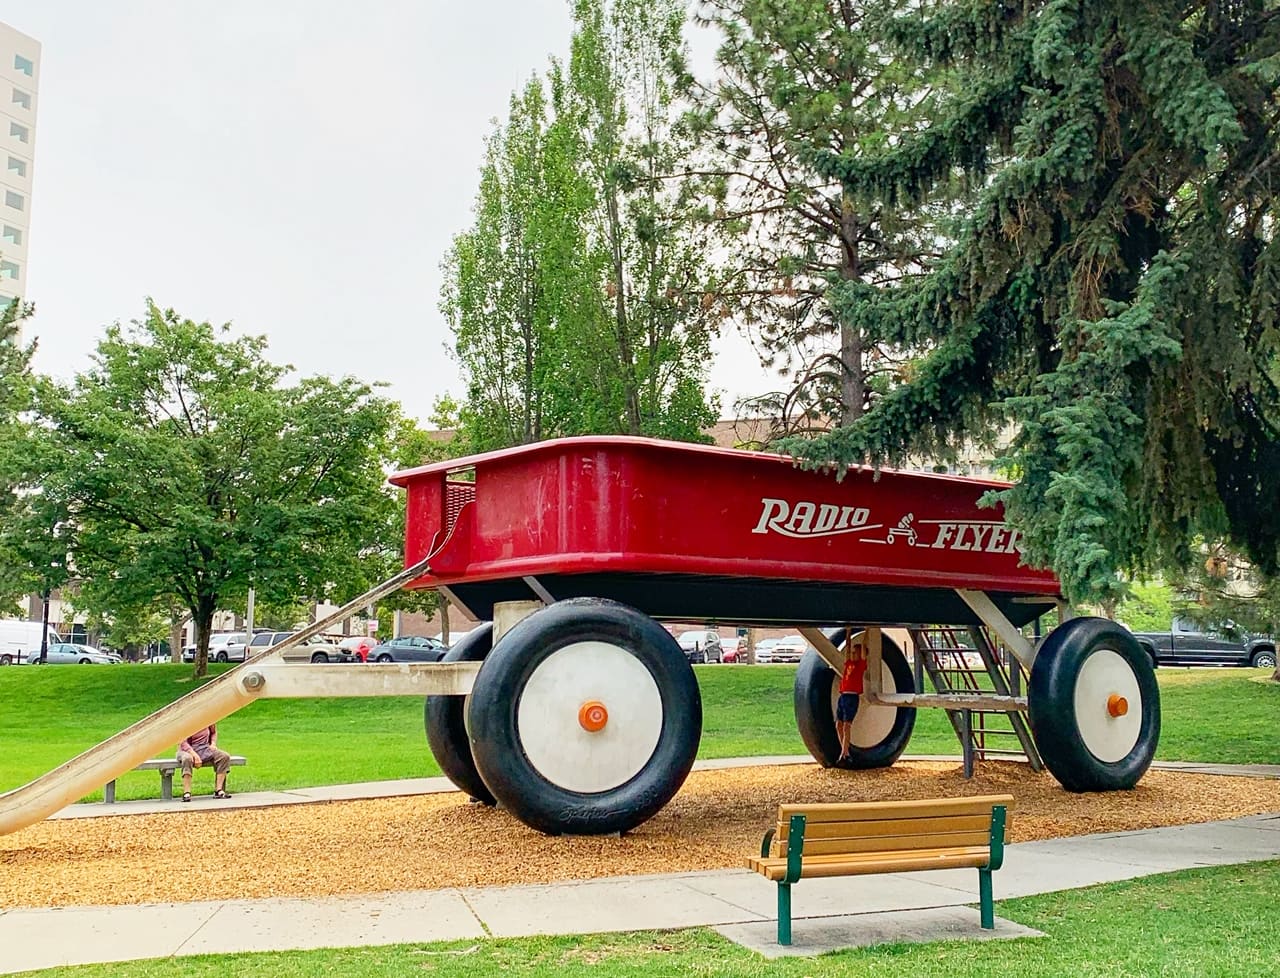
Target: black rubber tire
<point x="816" y="719"/>
<point x="86" y="662"/>
<point x="220" y="657"/>
<point x="384" y="658"/>
<point x="495" y="736"/>
<point x="1051" y="706"/>
<point x="1266" y="659"/>
<point x="319" y="657"/>
<point x="445" y="721"/>
<point x="6" y="660"/>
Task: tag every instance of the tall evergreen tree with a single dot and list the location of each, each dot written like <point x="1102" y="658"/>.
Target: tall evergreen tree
<point x="1113" y="293"/>
<point x="795" y="77"/>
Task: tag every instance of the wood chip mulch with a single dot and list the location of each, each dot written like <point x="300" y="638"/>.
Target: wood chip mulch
<point x="437" y="841"/>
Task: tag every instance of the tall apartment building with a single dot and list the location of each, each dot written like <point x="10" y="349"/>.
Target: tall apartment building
<point x="19" y="76"/>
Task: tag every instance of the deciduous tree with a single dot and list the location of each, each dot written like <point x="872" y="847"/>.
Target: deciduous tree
<point x="188" y="466"/>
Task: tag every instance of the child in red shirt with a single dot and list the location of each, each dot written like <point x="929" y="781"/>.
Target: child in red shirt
<point x="855" y="669"/>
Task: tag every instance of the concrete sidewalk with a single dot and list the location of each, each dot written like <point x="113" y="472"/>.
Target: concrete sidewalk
<point x="739" y="903"/>
<point x="203" y="800"/>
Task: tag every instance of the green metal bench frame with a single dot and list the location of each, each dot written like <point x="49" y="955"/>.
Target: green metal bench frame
<point x="795" y="858"/>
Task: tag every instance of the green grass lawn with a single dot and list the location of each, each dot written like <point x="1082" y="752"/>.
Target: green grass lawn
<point x="1209" y="923"/>
<point x="49" y="714"/>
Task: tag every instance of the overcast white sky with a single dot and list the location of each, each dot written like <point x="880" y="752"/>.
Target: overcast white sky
<point x="295" y="167"/>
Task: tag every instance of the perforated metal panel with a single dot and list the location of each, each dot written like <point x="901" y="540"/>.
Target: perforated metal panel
<point x="456" y="495"/>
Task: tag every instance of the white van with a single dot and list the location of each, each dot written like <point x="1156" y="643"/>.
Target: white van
<point x="20" y="641"/>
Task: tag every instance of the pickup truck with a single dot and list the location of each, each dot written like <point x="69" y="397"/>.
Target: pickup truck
<point x="1186" y="644"/>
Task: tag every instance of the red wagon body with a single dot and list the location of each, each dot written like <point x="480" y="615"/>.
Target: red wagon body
<point x="687" y="531"/>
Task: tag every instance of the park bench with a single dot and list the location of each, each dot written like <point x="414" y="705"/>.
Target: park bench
<point x="863" y="838"/>
<point x="166" y="766"/>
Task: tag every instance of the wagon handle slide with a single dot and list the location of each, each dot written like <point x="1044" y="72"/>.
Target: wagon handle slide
<point x="127" y="749"/>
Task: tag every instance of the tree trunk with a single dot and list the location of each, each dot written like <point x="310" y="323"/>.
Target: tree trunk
<point x="853" y="380"/>
<point x="203" y="618"/>
<point x="177" y="623"/>
<point x="444" y="620"/>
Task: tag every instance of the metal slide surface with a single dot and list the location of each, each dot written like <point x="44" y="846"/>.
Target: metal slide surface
<point x="124" y="751"/>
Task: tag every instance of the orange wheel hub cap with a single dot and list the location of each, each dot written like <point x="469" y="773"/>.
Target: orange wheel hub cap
<point x="1117" y="705"/>
<point x="593" y="716"/>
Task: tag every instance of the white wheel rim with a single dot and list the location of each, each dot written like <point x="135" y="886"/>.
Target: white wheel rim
<point x="556" y="743"/>
<point x="1102" y="675"/>
<point x="873" y="723"/>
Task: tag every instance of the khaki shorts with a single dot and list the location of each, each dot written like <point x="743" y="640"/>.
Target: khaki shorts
<point x="220" y="761"/>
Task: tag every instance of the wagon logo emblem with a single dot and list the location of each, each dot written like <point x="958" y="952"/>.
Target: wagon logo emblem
<point x="810" y="519"/>
<point x="805" y="520"/>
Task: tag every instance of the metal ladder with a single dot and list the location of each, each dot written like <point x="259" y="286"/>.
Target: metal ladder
<point x="947" y="656"/>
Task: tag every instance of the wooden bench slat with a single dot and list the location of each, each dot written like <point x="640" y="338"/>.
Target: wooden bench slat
<point x="885" y="827"/>
<point x="881" y="862"/>
<point x="874" y="810"/>
<point x="921" y="843"/>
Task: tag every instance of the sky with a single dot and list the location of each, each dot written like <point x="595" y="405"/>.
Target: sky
<point x="296" y="168"/>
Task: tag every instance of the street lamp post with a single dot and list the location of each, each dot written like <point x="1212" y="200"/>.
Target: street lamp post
<point x="44" y="632"/>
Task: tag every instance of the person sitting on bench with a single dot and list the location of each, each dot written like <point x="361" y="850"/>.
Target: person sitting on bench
<point x="199" y="749"/>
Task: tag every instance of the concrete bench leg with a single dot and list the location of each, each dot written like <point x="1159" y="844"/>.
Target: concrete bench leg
<point x="166" y="784"/>
<point x="109" y="793"/>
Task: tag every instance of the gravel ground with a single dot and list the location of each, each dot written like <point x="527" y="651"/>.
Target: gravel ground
<point x="435" y="841"/>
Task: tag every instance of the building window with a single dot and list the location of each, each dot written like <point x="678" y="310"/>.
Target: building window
<point x="12" y="235"/>
<point x="8" y="269"/>
<point x="22" y="98"/>
<point x="21" y="132"/>
<point x="23" y="65"/>
<point x="18" y="166"/>
<point x="14" y="200"/>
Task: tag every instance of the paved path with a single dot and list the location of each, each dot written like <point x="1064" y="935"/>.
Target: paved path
<point x="739" y="903"/>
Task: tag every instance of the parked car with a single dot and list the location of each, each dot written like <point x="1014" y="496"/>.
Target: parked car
<point x="735" y="650"/>
<point x="319" y="649"/>
<point x="67" y="653"/>
<point x="223" y="647"/>
<point x="359" y="646"/>
<point x="764" y="650"/>
<point x="409" y="648"/>
<point x="790" y="648"/>
<point x="701" y="645"/>
<point x="456" y="635"/>
<point x="1186" y="644"/>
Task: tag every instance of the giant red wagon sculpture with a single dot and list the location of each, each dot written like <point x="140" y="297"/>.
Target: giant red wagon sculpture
<point x="577" y="710"/>
<point x="585" y="716"/>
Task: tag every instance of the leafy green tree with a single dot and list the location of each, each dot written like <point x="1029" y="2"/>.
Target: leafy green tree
<point x="187" y="468"/>
<point x="1148" y="607"/>
<point x="658" y="317"/>
<point x="578" y="298"/>
<point x="17" y="563"/>
<point x="498" y="296"/>
<point x="794" y="78"/>
<point x="1112" y="293"/>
